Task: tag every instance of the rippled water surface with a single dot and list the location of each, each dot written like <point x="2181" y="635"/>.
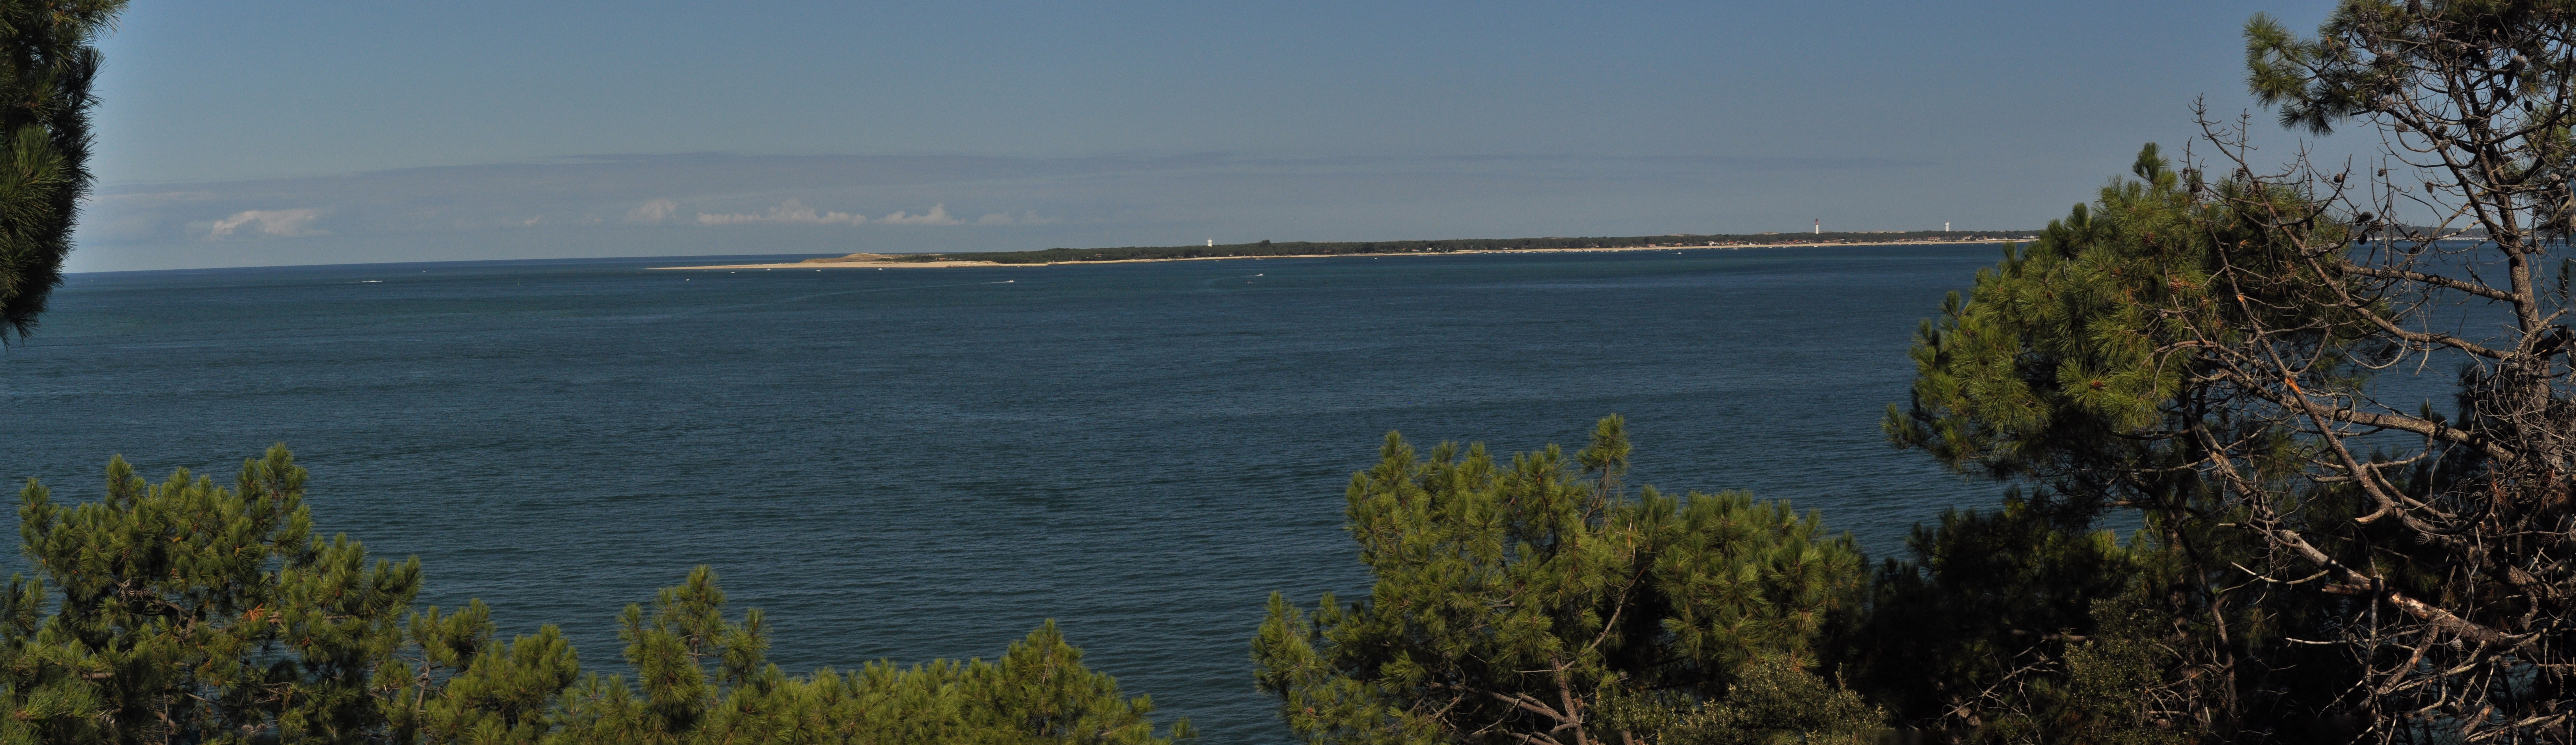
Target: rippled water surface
<point x="928" y="462"/>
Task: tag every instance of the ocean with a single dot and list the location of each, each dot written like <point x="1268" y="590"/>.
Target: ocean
<point x="921" y="463"/>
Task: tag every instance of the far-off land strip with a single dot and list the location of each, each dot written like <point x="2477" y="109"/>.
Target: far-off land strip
<point x="1312" y="250"/>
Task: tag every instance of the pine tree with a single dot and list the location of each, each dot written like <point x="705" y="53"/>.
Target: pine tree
<point x="1987" y="600"/>
<point x="1540" y="603"/>
<point x="2094" y="367"/>
<point x="186" y="611"/>
<point x="2454" y="549"/>
<point x="48" y="63"/>
<point x="703" y="678"/>
<point x="455" y="685"/>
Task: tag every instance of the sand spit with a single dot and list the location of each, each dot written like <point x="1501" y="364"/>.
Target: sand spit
<point x="822" y="264"/>
<point x="882" y="261"/>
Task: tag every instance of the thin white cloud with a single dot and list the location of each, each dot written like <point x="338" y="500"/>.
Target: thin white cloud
<point x="275" y="223"/>
<point x="790" y="212"/>
<point x="1026" y="217"/>
<point x="121" y="227"/>
<point x="158" y="197"/>
<point x="938" y="215"/>
<point x="653" y="212"/>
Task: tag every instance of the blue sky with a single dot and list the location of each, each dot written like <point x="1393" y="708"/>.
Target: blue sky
<point x="263" y="133"/>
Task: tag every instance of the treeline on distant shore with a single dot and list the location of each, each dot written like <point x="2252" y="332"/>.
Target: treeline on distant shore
<point x="1313" y="248"/>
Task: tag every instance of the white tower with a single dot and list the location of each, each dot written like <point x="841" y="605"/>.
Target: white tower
<point x="1820" y="226"/>
<point x="1945" y="226"/>
<point x="1211" y="243"/>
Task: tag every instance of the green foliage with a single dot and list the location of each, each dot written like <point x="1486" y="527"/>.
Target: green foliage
<point x="2084" y="366"/>
<point x="1985" y="594"/>
<point x="2066" y="367"/>
<point x="2073" y="356"/>
<point x="187" y="612"/>
<point x="2369" y="50"/>
<point x="1540" y="600"/>
<point x="1775" y="702"/>
<point x="463" y="688"/>
<point x="703" y="680"/>
<point x="2092" y="691"/>
<point x="2008" y="628"/>
<point x="48" y="63"/>
<point x="2107" y="674"/>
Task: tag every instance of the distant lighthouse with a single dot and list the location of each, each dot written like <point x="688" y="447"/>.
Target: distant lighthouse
<point x="1820" y="226"/>
<point x="1945" y="226"/>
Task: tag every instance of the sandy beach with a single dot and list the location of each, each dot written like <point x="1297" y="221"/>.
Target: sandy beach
<point x="882" y="261"/>
<point x="851" y="265"/>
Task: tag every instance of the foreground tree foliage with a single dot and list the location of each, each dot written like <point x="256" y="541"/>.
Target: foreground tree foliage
<point x="2077" y="366"/>
<point x="701" y="678"/>
<point x="1980" y="633"/>
<point x="187" y="612"/>
<point x="48" y="61"/>
<point x="2322" y="560"/>
<point x="184" y="611"/>
<point x="1540" y="603"/>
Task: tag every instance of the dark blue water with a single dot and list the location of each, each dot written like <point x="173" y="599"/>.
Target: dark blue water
<point x="925" y="463"/>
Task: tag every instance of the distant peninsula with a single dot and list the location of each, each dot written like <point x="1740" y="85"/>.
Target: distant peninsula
<point x="1306" y="249"/>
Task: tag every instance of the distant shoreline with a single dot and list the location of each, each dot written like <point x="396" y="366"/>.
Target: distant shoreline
<point x="847" y="263"/>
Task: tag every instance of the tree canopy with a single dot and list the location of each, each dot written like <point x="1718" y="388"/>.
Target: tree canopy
<point x="2206" y="351"/>
<point x="1539" y="602"/>
<point x="48" y="62"/>
<point x="184" y="611"/>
